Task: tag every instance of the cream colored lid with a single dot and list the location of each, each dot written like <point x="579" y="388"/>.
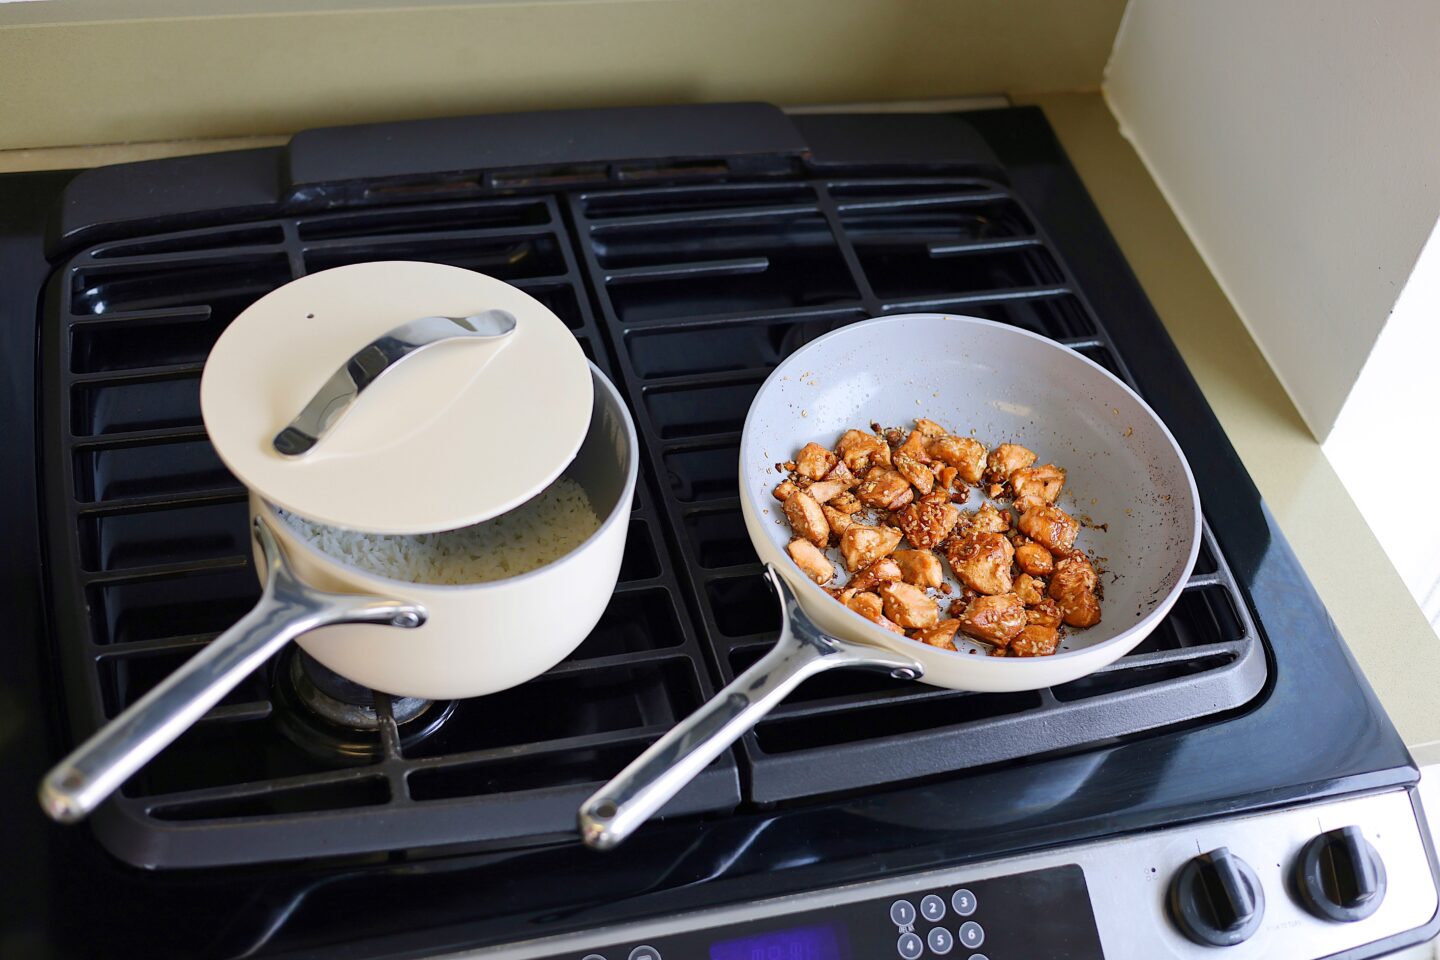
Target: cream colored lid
<point x="456" y="433"/>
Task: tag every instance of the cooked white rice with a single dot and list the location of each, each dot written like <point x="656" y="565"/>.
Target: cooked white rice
<point x="538" y="532"/>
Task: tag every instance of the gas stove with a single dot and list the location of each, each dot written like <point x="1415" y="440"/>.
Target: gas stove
<point x="1231" y="783"/>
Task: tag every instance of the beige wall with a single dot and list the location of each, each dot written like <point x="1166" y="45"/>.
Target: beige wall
<point x="1299" y="143"/>
<point x="226" y="75"/>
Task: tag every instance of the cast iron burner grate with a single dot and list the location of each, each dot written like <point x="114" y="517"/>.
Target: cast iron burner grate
<point x="699" y="290"/>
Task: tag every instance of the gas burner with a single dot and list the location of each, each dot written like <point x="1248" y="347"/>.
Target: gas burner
<point x="331" y="717"/>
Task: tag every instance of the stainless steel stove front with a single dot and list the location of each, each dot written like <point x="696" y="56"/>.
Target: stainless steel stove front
<point x="1121" y="886"/>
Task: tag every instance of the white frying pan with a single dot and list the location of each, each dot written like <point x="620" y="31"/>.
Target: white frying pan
<point x="1125" y="470"/>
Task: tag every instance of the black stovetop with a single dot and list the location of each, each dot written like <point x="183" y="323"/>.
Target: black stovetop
<point x="806" y="225"/>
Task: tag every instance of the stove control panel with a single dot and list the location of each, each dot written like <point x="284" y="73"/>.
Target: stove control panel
<point x="1038" y="913"/>
<point x="1307" y="881"/>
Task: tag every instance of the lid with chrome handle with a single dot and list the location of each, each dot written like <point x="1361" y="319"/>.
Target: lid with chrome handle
<point x="397" y="397"/>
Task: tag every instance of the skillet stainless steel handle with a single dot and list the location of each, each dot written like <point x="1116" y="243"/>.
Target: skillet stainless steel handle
<point x="287" y="608"/>
<point x="370" y="362"/>
<point x="658" y="774"/>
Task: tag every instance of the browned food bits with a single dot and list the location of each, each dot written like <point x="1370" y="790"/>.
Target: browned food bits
<point x="878" y="488"/>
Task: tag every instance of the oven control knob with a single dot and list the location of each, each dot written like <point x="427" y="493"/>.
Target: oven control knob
<point x="1340" y="876"/>
<point x="1216" y="899"/>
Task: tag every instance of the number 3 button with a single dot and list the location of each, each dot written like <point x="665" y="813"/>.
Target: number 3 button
<point x="963" y="901"/>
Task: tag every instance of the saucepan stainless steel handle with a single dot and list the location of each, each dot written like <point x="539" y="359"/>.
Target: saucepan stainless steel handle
<point x="658" y="774"/>
<point x="381" y="355"/>
<point x="287" y="608"/>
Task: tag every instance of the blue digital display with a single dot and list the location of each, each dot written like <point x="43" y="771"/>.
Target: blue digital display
<point x="822" y="942"/>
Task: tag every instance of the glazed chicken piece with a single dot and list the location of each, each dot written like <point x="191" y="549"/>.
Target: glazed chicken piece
<point x="927" y="522"/>
<point x="1046" y="613"/>
<point x="1073" y="588"/>
<point x="1044" y="482"/>
<point x="1034" y="559"/>
<point x="784" y="489"/>
<point x="806" y="518"/>
<point x="1025" y="503"/>
<point x="920" y="567"/>
<point x="826" y="490"/>
<point x="988" y="519"/>
<point x="965" y="454"/>
<point x="872" y="608"/>
<point x="1029" y="590"/>
<point x="839" y="522"/>
<point x="814" y="461"/>
<point x="861" y="451"/>
<point x="941" y="635"/>
<point x="1051" y="527"/>
<point x="914" y="471"/>
<point x="982" y="562"/>
<point x="908" y="605"/>
<point x="811" y="561"/>
<point x="841" y="473"/>
<point x="846" y="503"/>
<point x="862" y="545"/>
<point x="1034" y="641"/>
<point x="884" y="489"/>
<point x="946" y="477"/>
<point x="929" y="429"/>
<point x="994" y="619"/>
<point x="915" y="447"/>
<point x="1005" y="460"/>
<point x="884" y="570"/>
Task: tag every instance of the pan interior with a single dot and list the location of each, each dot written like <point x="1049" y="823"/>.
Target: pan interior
<point x="1125" y="476"/>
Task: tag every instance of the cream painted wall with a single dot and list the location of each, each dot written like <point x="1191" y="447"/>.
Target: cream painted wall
<point x="1299" y="143"/>
<point x="257" y="73"/>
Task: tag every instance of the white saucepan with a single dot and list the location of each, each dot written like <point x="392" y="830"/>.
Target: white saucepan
<point x="457" y="640"/>
<point x="1125" y="472"/>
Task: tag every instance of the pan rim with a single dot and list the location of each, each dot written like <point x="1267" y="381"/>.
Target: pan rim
<point x="808" y="590"/>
